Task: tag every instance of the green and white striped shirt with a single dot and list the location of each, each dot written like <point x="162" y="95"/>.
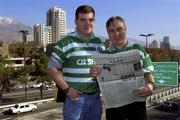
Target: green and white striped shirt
<point x="73" y="54"/>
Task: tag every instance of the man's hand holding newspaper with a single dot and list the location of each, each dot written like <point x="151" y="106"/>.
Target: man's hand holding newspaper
<point x="120" y="78"/>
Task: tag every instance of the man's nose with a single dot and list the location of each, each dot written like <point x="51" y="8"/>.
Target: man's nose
<point x="116" y="32"/>
<point x="87" y="21"/>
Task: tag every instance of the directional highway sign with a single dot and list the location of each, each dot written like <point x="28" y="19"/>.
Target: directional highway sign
<point x="166" y="73"/>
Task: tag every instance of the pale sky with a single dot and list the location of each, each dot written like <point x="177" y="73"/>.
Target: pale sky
<point x="160" y="17"/>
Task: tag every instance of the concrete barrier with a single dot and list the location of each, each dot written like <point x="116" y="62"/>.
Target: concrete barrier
<point x="162" y="96"/>
<point x="158" y="97"/>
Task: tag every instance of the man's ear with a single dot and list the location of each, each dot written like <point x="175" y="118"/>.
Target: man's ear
<point x="75" y="21"/>
<point x="125" y="29"/>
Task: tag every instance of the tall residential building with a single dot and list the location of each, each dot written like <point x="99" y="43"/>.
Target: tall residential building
<point x="154" y="44"/>
<point x="42" y="35"/>
<point x="165" y="43"/>
<point x="56" y="18"/>
<point x="30" y="38"/>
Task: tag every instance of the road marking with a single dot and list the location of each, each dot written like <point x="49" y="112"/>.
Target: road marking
<point x="8" y="118"/>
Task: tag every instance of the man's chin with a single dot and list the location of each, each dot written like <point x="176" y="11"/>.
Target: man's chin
<point x="88" y="32"/>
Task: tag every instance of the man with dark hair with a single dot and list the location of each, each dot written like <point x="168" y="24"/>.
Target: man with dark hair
<point x="116" y="29"/>
<point x="73" y="55"/>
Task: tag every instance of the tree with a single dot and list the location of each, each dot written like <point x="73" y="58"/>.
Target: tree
<point x="161" y="54"/>
<point x="40" y="62"/>
<point x="7" y="75"/>
<point x="16" y="49"/>
<point x="23" y="76"/>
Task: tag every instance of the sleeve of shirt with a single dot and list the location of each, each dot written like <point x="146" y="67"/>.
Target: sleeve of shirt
<point x="53" y="63"/>
<point x="147" y="63"/>
<point x="146" y="60"/>
<point x="57" y="58"/>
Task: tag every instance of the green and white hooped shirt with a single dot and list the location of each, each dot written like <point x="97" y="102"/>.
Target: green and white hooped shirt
<point x="73" y="54"/>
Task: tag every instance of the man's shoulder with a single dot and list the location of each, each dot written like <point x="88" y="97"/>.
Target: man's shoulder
<point x="139" y="47"/>
<point x="67" y="39"/>
<point x="103" y="39"/>
<point x="134" y="45"/>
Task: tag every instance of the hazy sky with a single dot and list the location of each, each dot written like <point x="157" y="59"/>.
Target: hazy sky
<point x="161" y="17"/>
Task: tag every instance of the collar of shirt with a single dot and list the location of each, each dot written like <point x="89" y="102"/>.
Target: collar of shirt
<point x="112" y="48"/>
<point x="78" y="35"/>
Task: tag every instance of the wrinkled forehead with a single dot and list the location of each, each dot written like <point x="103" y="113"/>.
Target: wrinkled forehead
<point x="86" y="15"/>
<point x="116" y="23"/>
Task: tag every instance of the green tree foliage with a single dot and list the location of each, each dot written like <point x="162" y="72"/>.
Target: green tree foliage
<point x="16" y="49"/>
<point x="7" y="75"/>
<point x="23" y="76"/>
<point x="163" y="55"/>
<point x="40" y="62"/>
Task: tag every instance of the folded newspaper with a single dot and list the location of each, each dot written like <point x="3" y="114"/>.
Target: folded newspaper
<point x="121" y="77"/>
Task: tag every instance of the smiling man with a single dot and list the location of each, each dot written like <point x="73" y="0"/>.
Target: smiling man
<point x="116" y="29"/>
<point x="73" y="55"/>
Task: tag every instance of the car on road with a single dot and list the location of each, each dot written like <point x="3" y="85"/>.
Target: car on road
<point x="44" y="86"/>
<point x="36" y="85"/>
<point x="22" y="107"/>
<point x="169" y="106"/>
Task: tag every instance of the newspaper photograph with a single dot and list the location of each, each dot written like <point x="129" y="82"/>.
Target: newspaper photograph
<point x="120" y="78"/>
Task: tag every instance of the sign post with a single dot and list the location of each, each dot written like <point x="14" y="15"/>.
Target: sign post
<point x="166" y="73"/>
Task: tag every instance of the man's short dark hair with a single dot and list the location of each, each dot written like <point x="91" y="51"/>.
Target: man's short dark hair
<point x="113" y="18"/>
<point x="84" y="9"/>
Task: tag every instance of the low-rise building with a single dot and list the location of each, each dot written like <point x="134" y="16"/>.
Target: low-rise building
<point x="4" y="49"/>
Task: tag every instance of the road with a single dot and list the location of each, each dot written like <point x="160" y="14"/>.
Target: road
<point x="49" y="111"/>
<point x="155" y="113"/>
<point x="32" y="94"/>
<point x="53" y="111"/>
<point x="52" y="106"/>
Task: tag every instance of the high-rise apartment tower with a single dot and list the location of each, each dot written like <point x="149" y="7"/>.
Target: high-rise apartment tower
<point x="42" y="35"/>
<point x="56" y="18"/>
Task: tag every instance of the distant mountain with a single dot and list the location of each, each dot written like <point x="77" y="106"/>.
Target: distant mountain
<point x="175" y="47"/>
<point x="9" y="29"/>
<point x="137" y="41"/>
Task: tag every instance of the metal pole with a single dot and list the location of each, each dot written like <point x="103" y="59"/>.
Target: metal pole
<point x="24" y="32"/>
<point x="146" y="35"/>
<point x="146" y="42"/>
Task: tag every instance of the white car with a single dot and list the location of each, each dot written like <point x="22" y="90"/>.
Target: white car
<point x="36" y="85"/>
<point x="22" y="107"/>
<point x="45" y="86"/>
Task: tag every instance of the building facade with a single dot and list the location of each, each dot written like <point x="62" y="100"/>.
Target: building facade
<point x="42" y="35"/>
<point x="30" y="38"/>
<point x="165" y="43"/>
<point x="154" y="44"/>
<point x="4" y="49"/>
<point x="56" y="18"/>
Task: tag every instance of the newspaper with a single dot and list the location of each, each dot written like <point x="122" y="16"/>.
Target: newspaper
<point x="121" y="77"/>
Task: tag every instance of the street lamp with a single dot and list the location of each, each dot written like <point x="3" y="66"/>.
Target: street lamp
<point x="147" y="35"/>
<point x="24" y="33"/>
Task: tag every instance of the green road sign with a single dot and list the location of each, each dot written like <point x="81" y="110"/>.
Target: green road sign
<point x="166" y="73"/>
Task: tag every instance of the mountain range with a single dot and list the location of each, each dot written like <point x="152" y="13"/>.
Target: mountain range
<point x="9" y="29"/>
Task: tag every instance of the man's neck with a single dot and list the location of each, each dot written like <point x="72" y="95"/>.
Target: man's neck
<point x="88" y="36"/>
<point x="121" y="45"/>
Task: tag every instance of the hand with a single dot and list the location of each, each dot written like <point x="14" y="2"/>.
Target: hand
<point x="95" y="70"/>
<point x="73" y="94"/>
<point x="147" y="90"/>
